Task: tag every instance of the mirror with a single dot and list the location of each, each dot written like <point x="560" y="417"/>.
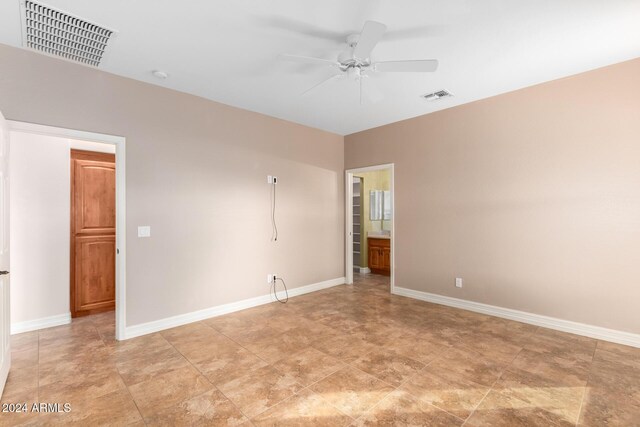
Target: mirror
<point x="379" y="205"/>
<point x="375" y="205"/>
<point x="386" y="206"/>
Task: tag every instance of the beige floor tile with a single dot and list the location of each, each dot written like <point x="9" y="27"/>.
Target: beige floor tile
<point x="500" y="410"/>
<point x="24" y="358"/>
<point x="631" y="353"/>
<point x="19" y="397"/>
<point x="417" y="348"/>
<point x="559" y="344"/>
<point x="21" y="380"/>
<point x="81" y="386"/>
<point x="260" y="390"/>
<point x="115" y="409"/>
<point x="352" y="391"/>
<point x="344" y="347"/>
<point x="168" y="389"/>
<point x="605" y="406"/>
<point x="470" y="366"/>
<point x="209" y="409"/>
<point x="402" y="409"/>
<point x="275" y="348"/>
<point x="308" y="366"/>
<point x="24" y="341"/>
<point x="147" y="366"/>
<point x="221" y="368"/>
<point x="388" y="366"/>
<point x="446" y="390"/>
<point x="550" y="394"/>
<point x="572" y="372"/>
<point x="303" y="409"/>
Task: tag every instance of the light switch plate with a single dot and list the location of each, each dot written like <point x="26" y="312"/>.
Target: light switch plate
<point x="144" y="231"/>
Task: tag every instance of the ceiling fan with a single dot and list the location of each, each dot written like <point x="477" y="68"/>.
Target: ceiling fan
<point x="356" y="60"/>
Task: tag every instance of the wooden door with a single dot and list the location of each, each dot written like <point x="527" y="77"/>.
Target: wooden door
<point x="93" y="232"/>
<point x="5" y="317"/>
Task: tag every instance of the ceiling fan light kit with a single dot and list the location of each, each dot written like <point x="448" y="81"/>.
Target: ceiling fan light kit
<point x="356" y="60"/>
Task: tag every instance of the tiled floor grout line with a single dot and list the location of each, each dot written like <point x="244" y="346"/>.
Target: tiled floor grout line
<point x="506" y="367"/>
<point x="130" y="395"/>
<point x="120" y="374"/>
<point x="417" y="397"/>
<point x="586" y="386"/>
<point x="202" y="373"/>
<point x="303" y="387"/>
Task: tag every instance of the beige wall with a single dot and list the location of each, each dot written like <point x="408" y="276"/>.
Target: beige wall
<point x="376" y="180"/>
<point x="39" y="227"/>
<point x="532" y="197"/>
<point x="196" y="173"/>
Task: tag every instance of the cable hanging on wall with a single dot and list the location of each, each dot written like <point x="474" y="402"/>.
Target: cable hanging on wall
<point x="274" y="226"/>
<point x="275" y="290"/>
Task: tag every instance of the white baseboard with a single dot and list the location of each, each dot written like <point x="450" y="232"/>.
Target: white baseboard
<point x="194" y="316"/>
<point x="42" y="323"/>
<point x="605" y="334"/>
<point x="365" y="270"/>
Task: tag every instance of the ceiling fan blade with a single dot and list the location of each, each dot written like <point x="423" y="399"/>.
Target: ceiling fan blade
<point x="322" y="83"/>
<point x="433" y="30"/>
<point x="308" y="60"/>
<point x="410" y="66"/>
<point x="371" y="34"/>
<point x="291" y="25"/>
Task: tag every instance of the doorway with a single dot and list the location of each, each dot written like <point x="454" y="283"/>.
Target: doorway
<point x="370" y="223"/>
<point x="92" y="234"/>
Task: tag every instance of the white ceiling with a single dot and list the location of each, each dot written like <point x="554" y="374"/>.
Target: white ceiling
<point x="227" y="50"/>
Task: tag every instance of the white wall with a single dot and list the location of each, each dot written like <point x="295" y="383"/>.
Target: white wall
<point x="39" y="228"/>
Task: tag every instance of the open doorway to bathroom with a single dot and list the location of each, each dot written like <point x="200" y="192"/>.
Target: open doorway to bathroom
<point x="370" y="223"/>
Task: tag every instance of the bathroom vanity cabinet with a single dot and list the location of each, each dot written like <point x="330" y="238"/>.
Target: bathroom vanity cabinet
<point x="379" y="255"/>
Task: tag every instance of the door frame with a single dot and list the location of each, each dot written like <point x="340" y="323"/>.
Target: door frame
<point x="121" y="217"/>
<point x="349" y="219"/>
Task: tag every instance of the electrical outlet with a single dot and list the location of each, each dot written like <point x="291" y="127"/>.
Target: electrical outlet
<point x="275" y="180"/>
<point x="458" y="282"/>
<point x="271" y="277"/>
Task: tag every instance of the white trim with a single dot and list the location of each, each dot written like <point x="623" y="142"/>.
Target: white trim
<point x="605" y="334"/>
<point x="349" y="220"/>
<point x="42" y="323"/>
<point x="194" y="316"/>
<point x="364" y="270"/>
<point x="121" y="210"/>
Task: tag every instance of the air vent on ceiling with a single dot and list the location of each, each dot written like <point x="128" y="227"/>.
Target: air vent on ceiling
<point x="51" y="31"/>
<point x="437" y="95"/>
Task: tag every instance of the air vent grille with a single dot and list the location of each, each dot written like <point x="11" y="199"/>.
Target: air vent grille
<point x="57" y="33"/>
<point x="437" y="95"/>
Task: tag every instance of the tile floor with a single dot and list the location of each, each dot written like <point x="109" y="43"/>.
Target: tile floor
<point x="349" y="355"/>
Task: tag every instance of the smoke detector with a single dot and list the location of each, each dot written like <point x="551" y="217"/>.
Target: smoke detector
<point x="437" y="95"/>
<point x="56" y="33"/>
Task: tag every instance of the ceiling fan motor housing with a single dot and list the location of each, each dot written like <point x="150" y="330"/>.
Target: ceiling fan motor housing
<point x="348" y="60"/>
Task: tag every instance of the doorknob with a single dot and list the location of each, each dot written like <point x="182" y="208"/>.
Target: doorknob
<point x="2" y="273"/>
